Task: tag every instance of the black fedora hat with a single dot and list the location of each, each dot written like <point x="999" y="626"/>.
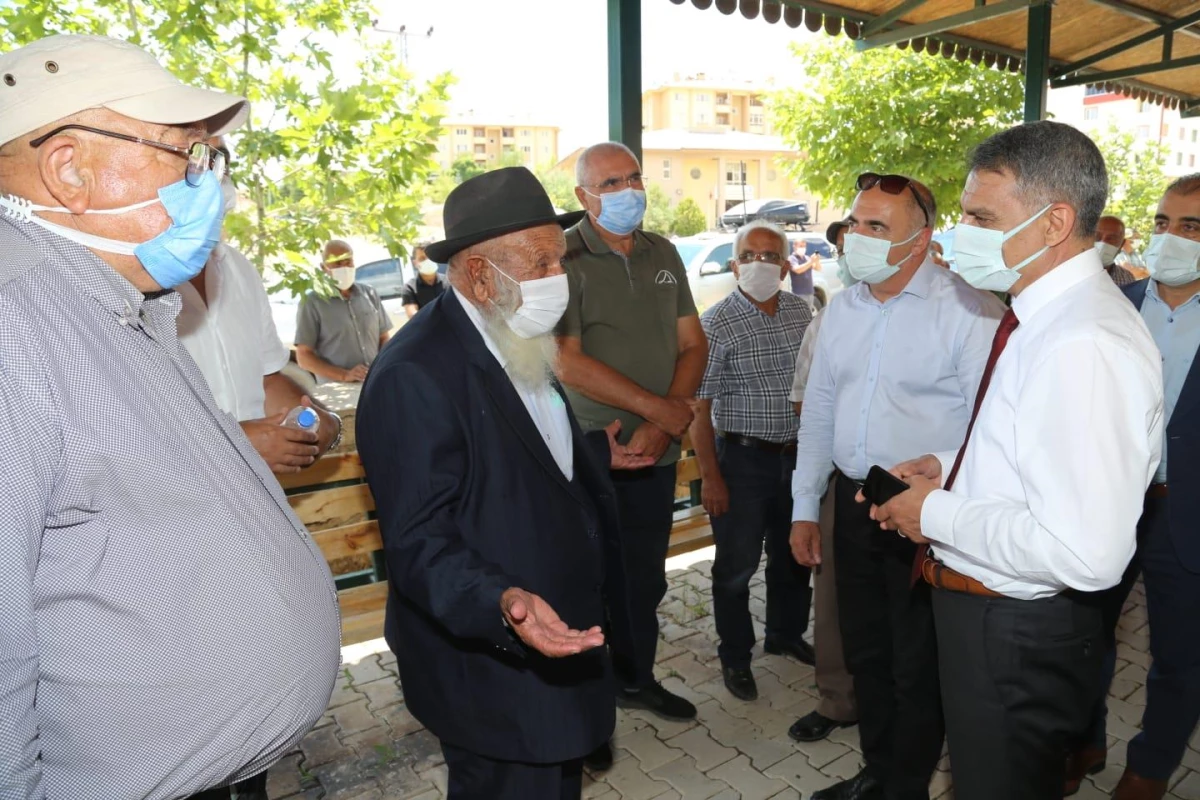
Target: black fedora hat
<point x="493" y="204"/>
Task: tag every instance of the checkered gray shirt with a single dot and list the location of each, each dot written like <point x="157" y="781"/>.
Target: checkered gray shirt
<point x="751" y="362"/>
<point x="166" y="623"/>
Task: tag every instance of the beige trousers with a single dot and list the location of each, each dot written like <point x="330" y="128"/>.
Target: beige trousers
<point x="833" y="679"/>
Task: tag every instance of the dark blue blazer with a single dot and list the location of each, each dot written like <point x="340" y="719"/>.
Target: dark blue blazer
<point x="470" y="503"/>
<point x="1183" y="451"/>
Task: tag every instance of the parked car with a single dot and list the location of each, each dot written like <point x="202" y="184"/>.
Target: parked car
<point x="785" y="213"/>
<point x="706" y="258"/>
<point x="386" y="277"/>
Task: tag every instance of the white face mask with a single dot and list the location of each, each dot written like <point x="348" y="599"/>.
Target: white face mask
<point x="343" y="276"/>
<point x="979" y="255"/>
<point x="1172" y="259"/>
<point x="427" y="267"/>
<point x="543" y="301"/>
<point x="229" y="194"/>
<point x="843" y="272"/>
<point x="759" y="279"/>
<point x="1107" y="252"/>
<point x="867" y="257"/>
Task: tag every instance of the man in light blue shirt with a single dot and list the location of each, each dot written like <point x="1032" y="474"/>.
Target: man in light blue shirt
<point x="895" y="374"/>
<point x="1168" y="536"/>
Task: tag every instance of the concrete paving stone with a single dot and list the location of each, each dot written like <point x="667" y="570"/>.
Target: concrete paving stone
<point x="1132" y="672"/>
<point x="697" y="580"/>
<point x="848" y="737"/>
<point x="699" y="645"/>
<point x="939" y="784"/>
<point x="315" y="793"/>
<point x="747" y="781"/>
<point x="373" y="743"/>
<point x="666" y="651"/>
<point x="432" y="794"/>
<point x="438" y="776"/>
<point x="689" y="693"/>
<point x="728" y="794"/>
<point x="763" y="751"/>
<point x="1089" y="791"/>
<point x="821" y="754"/>
<point x="355" y="717"/>
<point x="610" y="794"/>
<point x="322" y="746"/>
<point x="367" y="670"/>
<point x="420" y="750"/>
<point x="1176" y="778"/>
<point x="1123" y="689"/>
<point x="628" y="778"/>
<point x="1137" y="697"/>
<point x="797" y="772"/>
<point x="1125" y="711"/>
<point x="347" y="778"/>
<point x="594" y="786"/>
<point x="1134" y="655"/>
<point x="1117" y="753"/>
<point x="398" y="780"/>
<point x="672" y="632"/>
<point x="689" y="670"/>
<point x="358" y="793"/>
<point x="722" y="726"/>
<point x="701" y="749"/>
<point x="1191" y="759"/>
<point x="1106" y="779"/>
<point x="682" y="612"/>
<point x="387" y="659"/>
<point x="845" y="767"/>
<point x="1188" y="787"/>
<point x="400" y="720"/>
<point x="663" y="728"/>
<point x="670" y="794"/>
<point x="648" y="749"/>
<point x="343" y="693"/>
<point x="629" y="721"/>
<point x="382" y="693"/>
<point x="787" y="670"/>
<point x="283" y="778"/>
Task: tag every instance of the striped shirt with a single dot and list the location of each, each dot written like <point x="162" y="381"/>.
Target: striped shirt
<point x="166" y="623"/>
<point x="751" y="362"/>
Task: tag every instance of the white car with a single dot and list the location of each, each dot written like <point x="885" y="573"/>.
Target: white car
<point x="706" y="258"/>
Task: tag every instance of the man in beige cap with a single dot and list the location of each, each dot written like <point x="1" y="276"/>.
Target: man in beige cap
<point x="167" y="627"/>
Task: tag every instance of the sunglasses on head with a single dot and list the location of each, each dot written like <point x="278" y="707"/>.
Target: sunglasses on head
<point x="892" y="184"/>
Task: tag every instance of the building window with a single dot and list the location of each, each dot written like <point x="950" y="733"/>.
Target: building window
<point x="755" y="100"/>
<point x="480" y="133"/>
<point x="1092" y="91"/>
<point x="666" y="169"/>
<point x="1141" y="105"/>
<point x="480" y="149"/>
<point x="1194" y="136"/>
<point x="733" y="173"/>
<point x="722" y="119"/>
<point x="1166" y="131"/>
<point x="1182" y="133"/>
<point x="1092" y="113"/>
<point x="526" y="149"/>
<point x="701" y="118"/>
<point x="460" y="131"/>
<point x="507" y="133"/>
<point x="1143" y="131"/>
<point x="1192" y="160"/>
<point x="1179" y="159"/>
<point x="508" y="148"/>
<point x="462" y="148"/>
<point x="756" y="118"/>
<point x="525" y="132"/>
<point x="701" y="98"/>
<point x="723" y="99"/>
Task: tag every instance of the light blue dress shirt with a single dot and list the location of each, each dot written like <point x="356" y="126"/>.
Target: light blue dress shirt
<point x="1177" y="334"/>
<point x="891" y="381"/>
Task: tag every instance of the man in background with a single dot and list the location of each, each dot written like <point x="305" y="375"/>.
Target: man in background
<point x="801" y="263"/>
<point x="1110" y="243"/>
<point x="425" y="287"/>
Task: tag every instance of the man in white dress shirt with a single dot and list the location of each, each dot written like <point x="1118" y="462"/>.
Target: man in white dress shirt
<point x="896" y="367"/>
<point x="1039" y="505"/>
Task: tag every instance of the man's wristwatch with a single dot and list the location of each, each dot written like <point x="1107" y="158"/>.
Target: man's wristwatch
<point x="341" y="428"/>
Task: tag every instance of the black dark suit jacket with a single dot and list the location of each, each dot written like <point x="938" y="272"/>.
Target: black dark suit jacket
<point x="470" y="503"/>
<point x="1183" y="453"/>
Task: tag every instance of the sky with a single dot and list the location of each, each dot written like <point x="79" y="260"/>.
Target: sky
<point x="531" y="58"/>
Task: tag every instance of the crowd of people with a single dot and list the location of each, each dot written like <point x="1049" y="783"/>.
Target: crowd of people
<point x="520" y="433"/>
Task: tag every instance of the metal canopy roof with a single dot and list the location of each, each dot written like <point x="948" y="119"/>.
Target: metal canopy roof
<point x="1148" y="49"/>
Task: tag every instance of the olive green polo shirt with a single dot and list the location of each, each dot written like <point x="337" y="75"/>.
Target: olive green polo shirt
<point x="625" y="312"/>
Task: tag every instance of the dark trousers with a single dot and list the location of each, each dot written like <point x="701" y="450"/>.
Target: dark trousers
<point x="1018" y="681"/>
<point x="646" y="502"/>
<point x="475" y="777"/>
<point x="1112" y="603"/>
<point x="1173" y="684"/>
<point x="760" y="510"/>
<point x="212" y="794"/>
<point x="890" y="649"/>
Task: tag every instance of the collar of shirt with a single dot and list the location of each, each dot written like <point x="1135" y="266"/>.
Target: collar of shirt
<point x="595" y="244"/>
<point x="476" y="317"/>
<point x="919" y="285"/>
<point x="787" y="301"/>
<point x="1153" y="295"/>
<point x="1037" y="295"/>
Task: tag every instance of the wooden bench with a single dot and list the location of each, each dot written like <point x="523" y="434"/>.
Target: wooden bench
<point x="332" y="499"/>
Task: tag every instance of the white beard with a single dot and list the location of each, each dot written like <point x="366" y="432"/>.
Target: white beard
<point x="530" y="362"/>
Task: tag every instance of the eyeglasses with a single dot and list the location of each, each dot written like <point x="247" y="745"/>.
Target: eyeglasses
<point x="893" y="184"/>
<point x="768" y="257"/>
<point x="636" y="181"/>
<point x="201" y="157"/>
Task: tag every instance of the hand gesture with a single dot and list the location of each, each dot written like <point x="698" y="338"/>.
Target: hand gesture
<point x="623" y="457"/>
<point x="649" y="441"/>
<point x="673" y="415"/>
<point x="714" y="495"/>
<point x="539" y="627"/>
<point x="903" y="512"/>
<point x="805" y="541"/>
<point x="926" y="466"/>
<point x="285" y="450"/>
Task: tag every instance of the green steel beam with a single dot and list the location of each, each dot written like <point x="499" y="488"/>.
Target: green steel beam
<point x="934" y="27"/>
<point x="1129" y="44"/>
<point x="625" y="74"/>
<point x="1037" y="62"/>
<point x="885" y="20"/>
<point x="1127" y="72"/>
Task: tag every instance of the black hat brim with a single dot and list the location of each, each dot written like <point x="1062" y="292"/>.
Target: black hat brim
<point x="443" y="250"/>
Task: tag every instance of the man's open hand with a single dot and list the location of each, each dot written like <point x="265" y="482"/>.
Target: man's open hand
<point x="539" y="627"/>
<point x="649" y="440"/>
<point x="622" y="456"/>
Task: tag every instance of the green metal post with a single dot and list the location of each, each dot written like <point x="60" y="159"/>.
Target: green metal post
<point x="1037" y="62"/>
<point x="625" y="73"/>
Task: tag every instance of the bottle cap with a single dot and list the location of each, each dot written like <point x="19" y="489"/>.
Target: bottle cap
<point x="306" y="418"/>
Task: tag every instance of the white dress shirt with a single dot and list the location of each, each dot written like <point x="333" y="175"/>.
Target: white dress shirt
<point x="545" y="405"/>
<point x="232" y="338"/>
<point x="891" y="380"/>
<point x="1067" y="439"/>
<point x="804" y="359"/>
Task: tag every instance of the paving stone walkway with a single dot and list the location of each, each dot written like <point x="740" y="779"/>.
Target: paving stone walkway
<point x="368" y="747"/>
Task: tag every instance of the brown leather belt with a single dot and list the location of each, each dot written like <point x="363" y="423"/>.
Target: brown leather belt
<point x="1157" y="491"/>
<point x="760" y="444"/>
<point x="939" y="576"/>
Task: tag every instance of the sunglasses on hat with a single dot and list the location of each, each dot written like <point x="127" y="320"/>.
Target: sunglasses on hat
<point x="892" y="184"/>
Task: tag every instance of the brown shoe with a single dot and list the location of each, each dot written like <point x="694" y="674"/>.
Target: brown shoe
<point x="1087" y="761"/>
<point x="1134" y="787"/>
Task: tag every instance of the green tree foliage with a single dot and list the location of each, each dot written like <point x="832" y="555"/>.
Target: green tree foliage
<point x="658" y="211"/>
<point x="560" y="186"/>
<point x="890" y="111"/>
<point x="327" y="152"/>
<point x="1135" y="179"/>
<point x="465" y="168"/>
<point x="687" y="219"/>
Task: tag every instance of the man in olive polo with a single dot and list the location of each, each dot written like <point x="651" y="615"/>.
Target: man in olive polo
<point x="632" y="349"/>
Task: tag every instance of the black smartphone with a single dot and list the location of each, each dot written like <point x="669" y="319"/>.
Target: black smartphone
<point x="881" y="486"/>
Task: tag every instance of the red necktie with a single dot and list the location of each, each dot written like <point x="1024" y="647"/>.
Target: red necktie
<point x="1008" y="324"/>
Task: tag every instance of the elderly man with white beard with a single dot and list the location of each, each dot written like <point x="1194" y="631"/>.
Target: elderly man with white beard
<point x="497" y="514"/>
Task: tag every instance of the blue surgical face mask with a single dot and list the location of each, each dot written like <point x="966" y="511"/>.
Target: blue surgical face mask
<point x="171" y="258"/>
<point x="979" y="255"/>
<point x="867" y="257"/>
<point x="621" y="212"/>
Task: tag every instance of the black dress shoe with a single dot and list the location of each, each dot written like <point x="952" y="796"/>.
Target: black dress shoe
<point x="740" y="683"/>
<point x="815" y="726"/>
<point x="802" y="651"/>
<point x="861" y="787"/>
<point x="657" y="700"/>
<point x="599" y="759"/>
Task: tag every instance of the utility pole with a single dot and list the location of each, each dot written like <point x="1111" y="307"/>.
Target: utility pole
<point x="403" y="34"/>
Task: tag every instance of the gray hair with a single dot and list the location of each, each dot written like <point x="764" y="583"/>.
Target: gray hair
<point x="761" y="225"/>
<point x="1185" y="185"/>
<point x="1052" y="163"/>
<point x="584" y="163"/>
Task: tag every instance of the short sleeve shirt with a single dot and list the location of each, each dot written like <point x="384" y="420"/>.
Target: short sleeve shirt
<point x="420" y="294"/>
<point x="625" y="312"/>
<point x="344" y="331"/>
